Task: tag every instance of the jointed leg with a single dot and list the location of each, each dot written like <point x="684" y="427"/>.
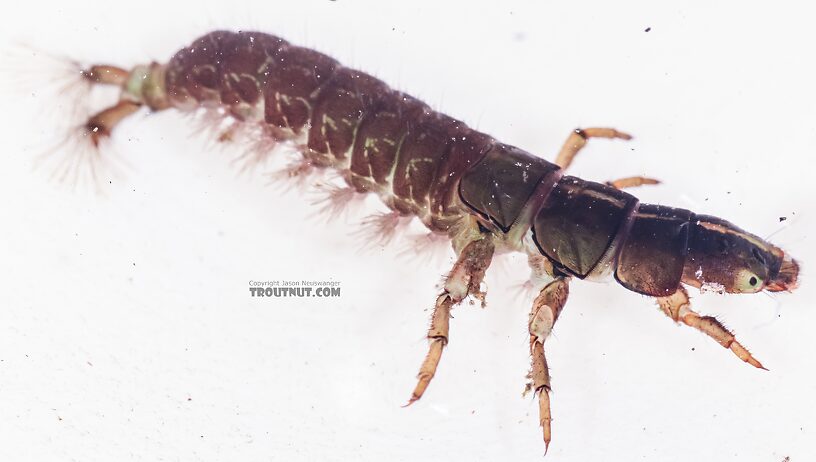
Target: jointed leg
<point x="465" y="278"/>
<point x="677" y="307"/>
<point x="631" y="182"/>
<point x="578" y="139"/>
<point x="546" y="308"/>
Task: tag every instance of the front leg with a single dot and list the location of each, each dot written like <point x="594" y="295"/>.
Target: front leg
<point x="546" y="308"/>
<point x="678" y="307"/>
<point x="631" y="182"/>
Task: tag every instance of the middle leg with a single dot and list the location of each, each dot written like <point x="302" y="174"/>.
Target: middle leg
<point x="546" y="308"/>
<point x="578" y="139"/>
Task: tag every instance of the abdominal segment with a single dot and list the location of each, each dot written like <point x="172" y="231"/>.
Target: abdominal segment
<point x="379" y="139"/>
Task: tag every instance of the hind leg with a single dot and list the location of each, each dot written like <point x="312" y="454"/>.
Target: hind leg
<point x="463" y="280"/>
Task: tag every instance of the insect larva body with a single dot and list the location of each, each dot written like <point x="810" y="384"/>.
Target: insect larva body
<point x="484" y="194"/>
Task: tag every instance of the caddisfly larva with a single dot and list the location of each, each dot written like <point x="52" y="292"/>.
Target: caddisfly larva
<point x="485" y="196"/>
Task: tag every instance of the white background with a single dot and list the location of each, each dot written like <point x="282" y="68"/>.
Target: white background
<point x="126" y="327"/>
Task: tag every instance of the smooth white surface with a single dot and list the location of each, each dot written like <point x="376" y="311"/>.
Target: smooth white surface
<point x="126" y="327"/>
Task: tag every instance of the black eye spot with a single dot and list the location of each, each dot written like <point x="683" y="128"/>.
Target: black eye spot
<point x="753" y="281"/>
